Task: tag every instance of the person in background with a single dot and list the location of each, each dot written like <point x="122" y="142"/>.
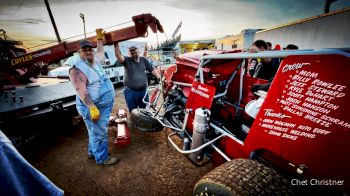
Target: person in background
<point x="277" y="47"/>
<point x="258" y="45"/>
<point x="94" y="99"/>
<point x="264" y="68"/>
<point x="291" y="47"/>
<point x="269" y="45"/>
<point x="135" y="77"/>
<point x="18" y="177"/>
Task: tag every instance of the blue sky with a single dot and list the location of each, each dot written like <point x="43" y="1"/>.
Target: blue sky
<point x="28" y="20"/>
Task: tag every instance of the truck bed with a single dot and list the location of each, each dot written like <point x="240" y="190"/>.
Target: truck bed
<point x="37" y="98"/>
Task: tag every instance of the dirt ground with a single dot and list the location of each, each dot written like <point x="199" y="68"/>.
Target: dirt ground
<point x="147" y="167"/>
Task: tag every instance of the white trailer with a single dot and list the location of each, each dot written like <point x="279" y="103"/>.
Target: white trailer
<point x="329" y="30"/>
<point x="324" y="31"/>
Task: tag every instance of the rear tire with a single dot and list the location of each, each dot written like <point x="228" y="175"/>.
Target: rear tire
<point x="141" y="119"/>
<point x="242" y="177"/>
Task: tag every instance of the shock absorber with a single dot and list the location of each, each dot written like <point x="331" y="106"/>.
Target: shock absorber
<point x="200" y="127"/>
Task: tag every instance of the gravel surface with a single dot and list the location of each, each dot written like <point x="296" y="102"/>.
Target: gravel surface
<point x="147" y="167"/>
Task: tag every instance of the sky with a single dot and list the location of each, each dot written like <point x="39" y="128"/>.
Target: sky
<point x="28" y="20"/>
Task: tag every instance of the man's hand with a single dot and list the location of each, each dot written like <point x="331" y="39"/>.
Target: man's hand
<point x="100" y="34"/>
<point x="116" y="46"/>
<point x="254" y="49"/>
<point x="118" y="54"/>
<point x="156" y="73"/>
<point x="145" y="52"/>
<point x="94" y="113"/>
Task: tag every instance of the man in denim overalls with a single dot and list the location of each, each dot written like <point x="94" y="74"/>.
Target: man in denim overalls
<point x="94" y="100"/>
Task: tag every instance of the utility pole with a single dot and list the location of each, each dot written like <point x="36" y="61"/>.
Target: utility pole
<point x="83" y="18"/>
<point x="52" y="21"/>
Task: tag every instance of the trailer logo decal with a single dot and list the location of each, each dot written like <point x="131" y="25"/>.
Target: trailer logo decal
<point x="42" y="53"/>
<point x="29" y="57"/>
<point x="21" y="59"/>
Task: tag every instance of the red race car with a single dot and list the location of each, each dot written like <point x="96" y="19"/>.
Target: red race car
<point x="283" y="135"/>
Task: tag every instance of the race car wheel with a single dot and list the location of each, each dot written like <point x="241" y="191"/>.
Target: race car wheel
<point x="242" y="177"/>
<point x="141" y="119"/>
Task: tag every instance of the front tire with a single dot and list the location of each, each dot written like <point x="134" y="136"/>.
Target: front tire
<point x="242" y="177"/>
<point x="141" y="119"/>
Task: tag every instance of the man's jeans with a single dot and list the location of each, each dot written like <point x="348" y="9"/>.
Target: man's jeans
<point x="134" y="98"/>
<point x="98" y="131"/>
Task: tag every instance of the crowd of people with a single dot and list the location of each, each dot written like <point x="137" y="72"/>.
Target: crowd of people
<point x="265" y="68"/>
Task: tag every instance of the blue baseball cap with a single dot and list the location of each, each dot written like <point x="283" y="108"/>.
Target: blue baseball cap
<point x="132" y="48"/>
<point x="85" y="43"/>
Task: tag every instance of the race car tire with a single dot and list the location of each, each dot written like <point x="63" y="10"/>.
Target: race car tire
<point x="242" y="177"/>
<point x="141" y="119"/>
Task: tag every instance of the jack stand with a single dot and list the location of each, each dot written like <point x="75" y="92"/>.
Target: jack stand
<point x="122" y="134"/>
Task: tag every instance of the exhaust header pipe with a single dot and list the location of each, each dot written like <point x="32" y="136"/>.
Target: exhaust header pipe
<point x="200" y="127"/>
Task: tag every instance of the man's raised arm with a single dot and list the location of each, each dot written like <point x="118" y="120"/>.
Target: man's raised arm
<point x="100" y="53"/>
<point x="118" y="54"/>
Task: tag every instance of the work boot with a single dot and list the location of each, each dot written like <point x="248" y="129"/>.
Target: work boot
<point x="110" y="161"/>
<point x="90" y="156"/>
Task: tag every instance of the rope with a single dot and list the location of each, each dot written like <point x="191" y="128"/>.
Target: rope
<point x="166" y="36"/>
<point x="80" y="35"/>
